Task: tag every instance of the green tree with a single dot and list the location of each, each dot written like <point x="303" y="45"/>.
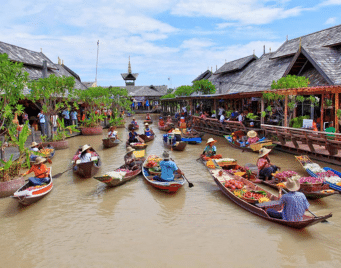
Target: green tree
<point x="204" y="86"/>
<point x="183" y="91"/>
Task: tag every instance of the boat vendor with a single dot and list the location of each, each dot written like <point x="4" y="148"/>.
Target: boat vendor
<point x="148" y="117"/>
<point x="210" y="150"/>
<point x="167" y="169"/>
<point x="34" y="147"/>
<point x="130" y="159"/>
<point x="112" y="133"/>
<point x="252" y="137"/>
<point x="147" y="131"/>
<point x="171" y="128"/>
<point x="134" y="137"/>
<point x="161" y="122"/>
<point x="41" y="172"/>
<point x="169" y="119"/>
<point x="295" y="203"/>
<point x="134" y="122"/>
<point x="265" y="168"/>
<point x="177" y="134"/>
<point x="85" y="155"/>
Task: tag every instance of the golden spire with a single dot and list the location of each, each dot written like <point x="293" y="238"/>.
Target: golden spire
<point x="129" y="66"/>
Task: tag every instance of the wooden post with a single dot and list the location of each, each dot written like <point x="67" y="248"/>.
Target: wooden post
<point x="216" y="108"/>
<point x="262" y="110"/>
<point x="336" y="125"/>
<point x="286" y="111"/>
<point x="322" y="112"/>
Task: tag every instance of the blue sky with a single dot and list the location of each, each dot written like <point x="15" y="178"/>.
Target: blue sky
<point x="174" y="39"/>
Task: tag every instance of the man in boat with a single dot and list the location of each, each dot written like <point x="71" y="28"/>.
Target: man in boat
<point x="167" y="169"/>
<point x="265" y="168"/>
<point x="210" y="150"/>
<point x="295" y="203"/>
<point x="134" y="137"/>
<point x="130" y="159"/>
<point x="112" y="133"/>
<point x="41" y="172"/>
<point x="252" y="137"/>
<point x="148" y="117"/>
<point x="134" y="122"/>
<point x="147" y="131"/>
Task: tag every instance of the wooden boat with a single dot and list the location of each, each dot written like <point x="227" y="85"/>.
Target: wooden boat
<point x="193" y="140"/>
<point x="166" y="127"/>
<point x="304" y="159"/>
<point x="136" y="145"/>
<point x="193" y="134"/>
<point x="109" y="142"/>
<point x="146" y="138"/>
<point x="136" y="127"/>
<point x="168" y="187"/>
<point x="254" y="147"/>
<point x="178" y="146"/>
<point x="88" y="169"/>
<point x="260" y="209"/>
<point x="27" y="194"/>
<point x="112" y="182"/>
<point x="150" y="121"/>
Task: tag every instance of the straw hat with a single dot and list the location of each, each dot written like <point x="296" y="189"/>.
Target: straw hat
<point x="129" y="150"/>
<point x="252" y="134"/>
<point x="263" y="152"/>
<point x="165" y="155"/>
<point x="210" y="140"/>
<point x="85" y="147"/>
<point x="34" y="144"/>
<point x="39" y="160"/>
<point x="146" y="124"/>
<point x="176" y="131"/>
<point x="292" y="185"/>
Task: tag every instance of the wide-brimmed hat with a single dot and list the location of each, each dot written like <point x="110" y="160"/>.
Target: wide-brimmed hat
<point x="165" y="155"/>
<point x="263" y="152"/>
<point x="210" y="140"/>
<point x="176" y="131"/>
<point x="252" y="134"/>
<point x="34" y="144"/>
<point x="146" y="124"/>
<point x="85" y="147"/>
<point x="39" y="160"/>
<point x="129" y="150"/>
<point x="292" y="185"/>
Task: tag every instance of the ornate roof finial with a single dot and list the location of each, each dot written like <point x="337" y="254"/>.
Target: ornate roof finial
<point x="129" y="66"/>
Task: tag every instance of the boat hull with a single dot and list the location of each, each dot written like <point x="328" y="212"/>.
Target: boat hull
<point x="179" y="147"/>
<point x="109" y="143"/>
<point x="112" y="182"/>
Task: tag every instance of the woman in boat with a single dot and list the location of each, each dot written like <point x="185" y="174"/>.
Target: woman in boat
<point x="134" y="137"/>
<point x="177" y="134"/>
<point x="112" y="134"/>
<point x="148" y="117"/>
<point x="171" y="128"/>
<point x="265" y="168"/>
<point x="295" y="203"/>
<point x="85" y="155"/>
<point x="167" y="169"/>
<point x="147" y="131"/>
<point x="34" y="148"/>
<point x="210" y="150"/>
<point x="161" y="122"/>
<point x="252" y="137"/>
<point x="41" y="172"/>
<point x="134" y="122"/>
<point x="130" y="159"/>
<point x="169" y="119"/>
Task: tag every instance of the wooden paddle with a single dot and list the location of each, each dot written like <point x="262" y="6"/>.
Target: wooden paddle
<point x="190" y="185"/>
<point x="61" y="173"/>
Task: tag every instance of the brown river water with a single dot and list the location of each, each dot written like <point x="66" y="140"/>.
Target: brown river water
<point x="82" y="223"/>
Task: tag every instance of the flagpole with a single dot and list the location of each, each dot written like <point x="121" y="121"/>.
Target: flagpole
<point x="97" y="62"/>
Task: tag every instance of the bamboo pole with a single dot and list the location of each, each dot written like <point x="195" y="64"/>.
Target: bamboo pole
<point x="336" y="108"/>
<point x="286" y="111"/>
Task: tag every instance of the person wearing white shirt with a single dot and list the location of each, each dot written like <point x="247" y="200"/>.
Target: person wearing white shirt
<point x="221" y="111"/>
<point x="222" y="118"/>
<point x="241" y="117"/>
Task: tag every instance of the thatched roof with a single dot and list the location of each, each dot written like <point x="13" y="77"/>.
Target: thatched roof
<point x="235" y="65"/>
<point x="205" y="75"/>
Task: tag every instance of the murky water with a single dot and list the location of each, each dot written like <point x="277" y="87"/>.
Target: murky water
<point x="82" y="223"/>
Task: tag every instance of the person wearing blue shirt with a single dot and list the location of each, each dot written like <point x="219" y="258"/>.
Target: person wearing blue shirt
<point x="41" y="117"/>
<point x="295" y="203"/>
<point x="210" y="150"/>
<point x="73" y="116"/>
<point x="147" y="130"/>
<point x="66" y="116"/>
<point x="168" y="167"/>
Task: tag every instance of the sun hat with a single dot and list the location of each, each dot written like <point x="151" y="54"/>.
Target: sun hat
<point x="176" y="131"/>
<point x="252" y="134"/>
<point x="292" y="185"/>
<point x="210" y="140"/>
<point x="129" y="150"/>
<point x="85" y="147"/>
<point x="263" y="152"/>
<point x="146" y="124"/>
<point x="39" y="160"/>
<point x="34" y="144"/>
<point x="165" y="155"/>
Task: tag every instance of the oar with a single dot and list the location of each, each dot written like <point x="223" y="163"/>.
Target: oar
<point x="61" y="173"/>
<point x="190" y="185"/>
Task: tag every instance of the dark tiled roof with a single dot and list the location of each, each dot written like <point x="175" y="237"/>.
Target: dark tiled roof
<point x="235" y="65"/>
<point x="327" y="37"/>
<point x="205" y="75"/>
<point x="132" y="76"/>
<point x="135" y="91"/>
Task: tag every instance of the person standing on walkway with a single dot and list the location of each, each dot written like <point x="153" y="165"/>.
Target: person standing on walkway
<point x="41" y="117"/>
<point x="66" y="116"/>
<point x="73" y="116"/>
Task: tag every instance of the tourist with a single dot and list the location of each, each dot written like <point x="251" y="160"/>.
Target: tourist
<point x="240" y="117"/>
<point x="73" y="116"/>
<point x="167" y="169"/>
<point x="221" y="111"/>
<point x="130" y="159"/>
<point x="41" y="117"/>
<point x="210" y="150"/>
<point x="252" y="137"/>
<point x="265" y="168"/>
<point x="222" y="118"/>
<point x="66" y="116"/>
<point x="41" y="172"/>
<point x="295" y="203"/>
<point x="147" y="131"/>
<point x="54" y="121"/>
<point x="24" y="117"/>
<point x="112" y="134"/>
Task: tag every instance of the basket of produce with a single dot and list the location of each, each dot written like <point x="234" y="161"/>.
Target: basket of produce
<point x="138" y="145"/>
<point x="253" y="196"/>
<point x="226" y="162"/>
<point x="284" y="175"/>
<point x="155" y="170"/>
<point x="311" y="184"/>
<point x="234" y="184"/>
<point x="46" y="152"/>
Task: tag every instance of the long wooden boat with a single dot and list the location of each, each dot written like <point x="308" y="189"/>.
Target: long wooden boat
<point x="179" y="145"/>
<point x="193" y="140"/>
<point x="28" y="194"/>
<point x="304" y="159"/>
<point x="259" y="209"/>
<point x="109" y="142"/>
<point x="88" y="169"/>
<point x="112" y="182"/>
<point x="193" y="134"/>
<point x="255" y="147"/>
<point x="146" y="138"/>
<point x="150" y="121"/>
<point x="136" y="145"/>
<point x="168" y="187"/>
<point x="166" y="127"/>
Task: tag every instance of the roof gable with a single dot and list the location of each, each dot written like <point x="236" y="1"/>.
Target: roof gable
<point x="205" y="75"/>
<point x="236" y="65"/>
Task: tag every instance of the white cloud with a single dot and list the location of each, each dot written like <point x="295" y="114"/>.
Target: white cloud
<point x="331" y="21"/>
<point x="331" y="2"/>
<point x="196" y="43"/>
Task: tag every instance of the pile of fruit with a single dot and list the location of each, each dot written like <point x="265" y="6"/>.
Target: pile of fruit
<point x="234" y="184"/>
<point x="311" y="180"/>
<point x="46" y="151"/>
<point x="153" y="161"/>
<point x="255" y="195"/>
<point x="283" y="176"/>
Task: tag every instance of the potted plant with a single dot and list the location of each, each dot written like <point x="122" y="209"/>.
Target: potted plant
<point x="328" y="103"/>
